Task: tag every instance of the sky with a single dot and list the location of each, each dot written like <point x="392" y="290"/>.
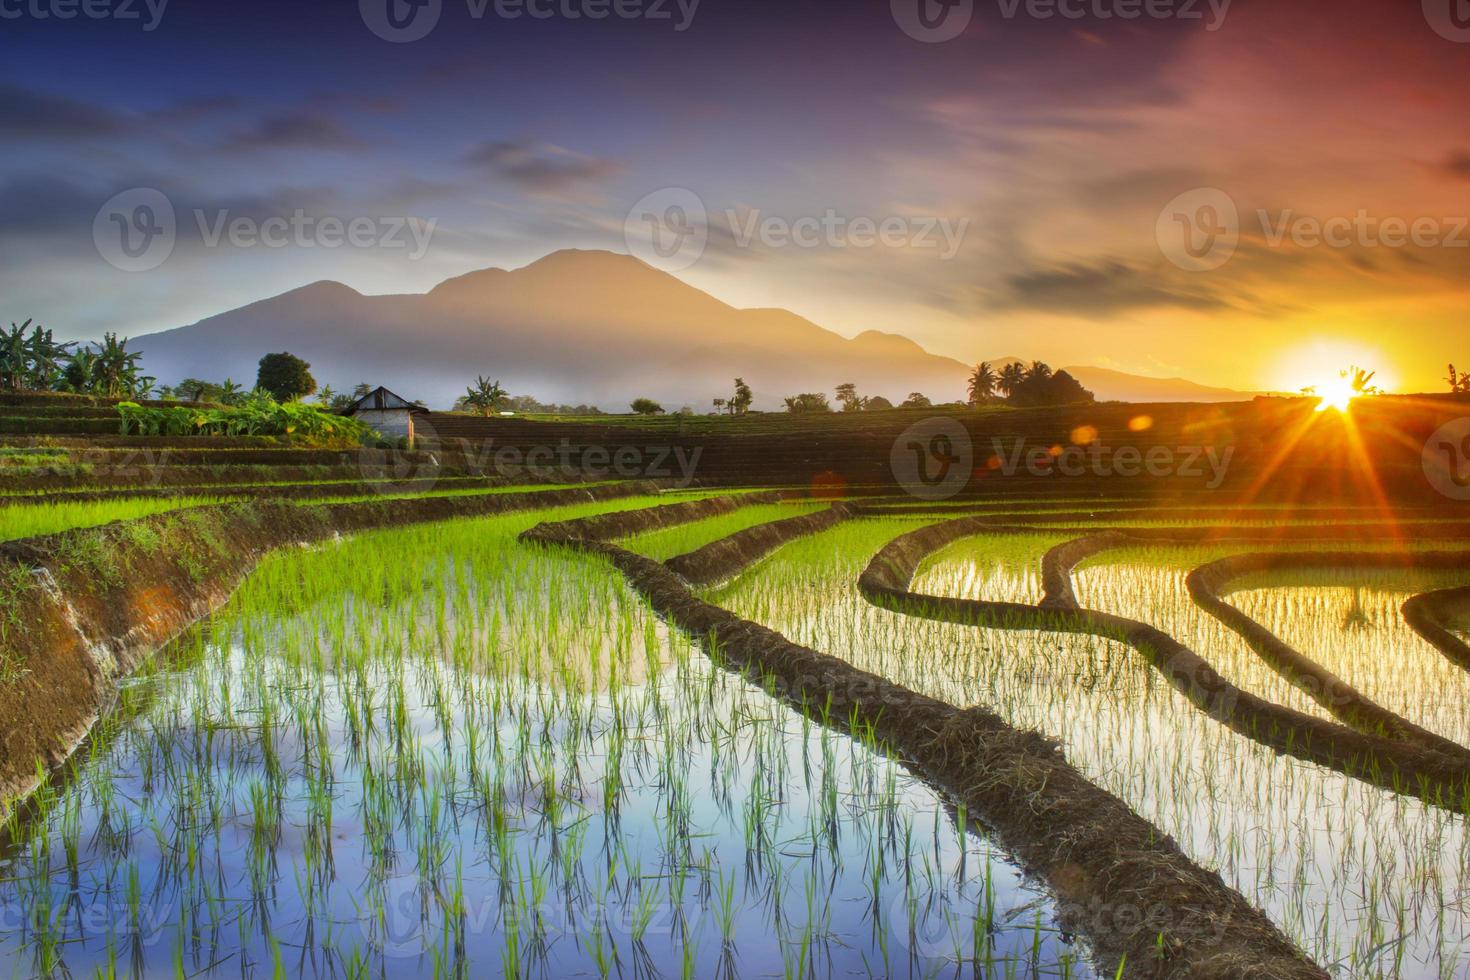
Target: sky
<point x="1250" y="194"/>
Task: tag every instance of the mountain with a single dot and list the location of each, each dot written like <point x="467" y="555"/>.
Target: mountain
<point x="576" y="326"/>
<point x="1119" y="386"/>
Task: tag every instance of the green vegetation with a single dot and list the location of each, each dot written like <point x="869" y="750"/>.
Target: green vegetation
<point x="33" y="519"/>
<point x="464" y="776"/>
<point x="484" y="397"/>
<point x="811" y="401"/>
<point x="258" y="415"/>
<point x="285" y="376"/>
<point x="646" y="406"/>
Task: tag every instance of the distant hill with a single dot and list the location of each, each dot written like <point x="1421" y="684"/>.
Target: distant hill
<point x="576" y="326"/>
<point x="1119" y="386"/>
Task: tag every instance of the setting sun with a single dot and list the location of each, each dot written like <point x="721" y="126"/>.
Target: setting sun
<point x="1336" y="394"/>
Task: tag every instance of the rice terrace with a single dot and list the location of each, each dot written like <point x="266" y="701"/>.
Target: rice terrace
<point x="653" y="489"/>
<point x="289" y="708"/>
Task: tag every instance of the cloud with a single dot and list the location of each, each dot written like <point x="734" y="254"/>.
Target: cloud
<point x="1102" y="289"/>
<point x="295" y="130"/>
<point x="1457" y="165"/>
<point x="31" y="115"/>
<point x="541" y="168"/>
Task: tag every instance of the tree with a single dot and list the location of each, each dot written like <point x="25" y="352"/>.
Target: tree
<point x="917" y="399"/>
<point x="646" y="406"/>
<point x="1360" y="381"/>
<point x="115" y="370"/>
<point x="740" y="404"/>
<point x="809" y="401"/>
<point x="31" y="360"/>
<point x="876" y="403"/>
<point x="848" y="397"/>
<point x="485" y="396"/>
<point x="1011" y="378"/>
<point x="285" y="376"/>
<point x="1459" y="383"/>
<point x="983" y="382"/>
<point x="1067" y="390"/>
<point x="1039" y="386"/>
<point x="81" y="372"/>
<point x="719" y="404"/>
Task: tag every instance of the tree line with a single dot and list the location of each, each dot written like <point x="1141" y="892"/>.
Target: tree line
<point x="1025" y="386"/>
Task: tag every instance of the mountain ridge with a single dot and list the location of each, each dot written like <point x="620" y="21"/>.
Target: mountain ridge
<point x="581" y="326"/>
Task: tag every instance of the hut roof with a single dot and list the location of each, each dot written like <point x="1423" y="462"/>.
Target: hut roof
<point x="382" y="400"/>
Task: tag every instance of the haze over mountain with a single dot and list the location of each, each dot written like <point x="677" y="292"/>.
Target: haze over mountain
<point x="581" y="327"/>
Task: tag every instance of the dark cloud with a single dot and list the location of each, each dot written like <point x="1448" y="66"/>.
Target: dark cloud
<point x="1457" y="165"/>
<point x="32" y="204"/>
<point x="192" y="110"/>
<point x="1148" y="188"/>
<point x="295" y="130"/>
<point x="1102" y="289"/>
<point x="31" y="115"/>
<point x="539" y="168"/>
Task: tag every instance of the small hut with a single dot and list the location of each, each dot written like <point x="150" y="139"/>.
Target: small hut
<point x="392" y="415"/>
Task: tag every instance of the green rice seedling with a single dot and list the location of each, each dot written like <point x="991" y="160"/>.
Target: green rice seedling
<point x="508" y="727"/>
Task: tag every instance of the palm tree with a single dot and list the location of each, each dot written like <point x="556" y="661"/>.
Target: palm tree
<point x="230" y="393"/>
<point x="1011" y="377"/>
<point x="982" y="383"/>
<point x="485" y="395"/>
<point x="14" y="357"/>
<point x="1360" y="380"/>
<point x="1038" y="371"/>
<point x="740" y="403"/>
<point x="31" y="360"/>
<point x="45" y="356"/>
<point x="114" y="370"/>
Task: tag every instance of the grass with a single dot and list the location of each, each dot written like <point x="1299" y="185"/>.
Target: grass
<point x="681" y="539"/>
<point x="438" y="750"/>
<point x="441" y="752"/>
<point x="31" y="520"/>
<point x="772" y="423"/>
<point x="1359" y="877"/>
